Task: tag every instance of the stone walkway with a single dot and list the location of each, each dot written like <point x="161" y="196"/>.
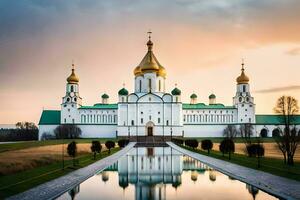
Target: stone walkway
<point x="278" y="186"/>
<point x="59" y="186"/>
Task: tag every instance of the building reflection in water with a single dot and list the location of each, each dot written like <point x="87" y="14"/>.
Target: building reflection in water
<point x="151" y="169"/>
<point x="150" y="172"/>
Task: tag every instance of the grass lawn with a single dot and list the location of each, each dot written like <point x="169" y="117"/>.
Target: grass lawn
<point x="19" y="182"/>
<point x="28" y="144"/>
<point x="270" y="165"/>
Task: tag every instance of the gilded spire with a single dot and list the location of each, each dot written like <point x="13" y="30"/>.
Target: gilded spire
<point x="242" y="79"/>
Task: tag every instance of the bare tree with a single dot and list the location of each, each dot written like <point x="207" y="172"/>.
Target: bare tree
<point x="230" y="132"/>
<point x="288" y="139"/>
<point x="246" y="132"/>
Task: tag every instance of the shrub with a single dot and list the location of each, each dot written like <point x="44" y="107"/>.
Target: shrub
<point x="206" y="145"/>
<point x="191" y="143"/>
<point x="254" y="150"/>
<point x="96" y="148"/>
<point x="177" y="141"/>
<point x="123" y="142"/>
<point x="67" y="131"/>
<point x="227" y="146"/>
<point x="72" y="150"/>
<point x="109" y="144"/>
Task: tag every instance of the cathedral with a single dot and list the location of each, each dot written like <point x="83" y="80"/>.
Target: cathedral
<point x="150" y="110"/>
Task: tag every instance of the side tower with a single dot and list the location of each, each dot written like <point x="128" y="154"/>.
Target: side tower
<point x="243" y="100"/>
<point x="71" y="101"/>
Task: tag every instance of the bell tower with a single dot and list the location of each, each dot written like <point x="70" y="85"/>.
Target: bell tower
<point x="71" y="101"/>
<point x="243" y="100"/>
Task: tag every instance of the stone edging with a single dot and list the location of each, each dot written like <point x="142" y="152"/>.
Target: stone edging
<point x="275" y="185"/>
<point x="57" y="187"/>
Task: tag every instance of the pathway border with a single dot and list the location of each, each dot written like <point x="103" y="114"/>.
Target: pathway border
<point x="57" y="187"/>
<point x="276" y="185"/>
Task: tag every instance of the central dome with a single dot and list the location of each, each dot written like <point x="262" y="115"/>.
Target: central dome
<point x="150" y="63"/>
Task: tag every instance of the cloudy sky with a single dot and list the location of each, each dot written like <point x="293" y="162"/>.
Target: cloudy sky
<point x="200" y="42"/>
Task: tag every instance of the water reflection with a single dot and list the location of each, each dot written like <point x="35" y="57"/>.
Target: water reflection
<point x="162" y="173"/>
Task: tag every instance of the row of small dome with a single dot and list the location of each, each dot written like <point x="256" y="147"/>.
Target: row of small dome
<point x="175" y="92"/>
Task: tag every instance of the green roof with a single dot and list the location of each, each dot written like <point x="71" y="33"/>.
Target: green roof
<point x="176" y="91"/>
<point x="123" y="91"/>
<point x="50" y="117"/>
<point x="100" y="106"/>
<point x="275" y="119"/>
<point x="193" y="96"/>
<point x="203" y="106"/>
<point x="105" y="96"/>
<point x="212" y="96"/>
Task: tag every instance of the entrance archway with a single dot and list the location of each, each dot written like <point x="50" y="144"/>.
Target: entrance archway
<point x="149" y="128"/>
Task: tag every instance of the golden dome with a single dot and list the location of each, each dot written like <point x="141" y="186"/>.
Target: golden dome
<point x="73" y="78"/>
<point x="150" y="63"/>
<point x="162" y="72"/>
<point x="242" y="79"/>
<point x="137" y="71"/>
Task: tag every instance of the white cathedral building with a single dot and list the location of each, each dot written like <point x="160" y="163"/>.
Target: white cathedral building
<point x="152" y="111"/>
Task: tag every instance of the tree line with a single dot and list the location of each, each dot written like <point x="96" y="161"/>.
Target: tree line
<point x="24" y="131"/>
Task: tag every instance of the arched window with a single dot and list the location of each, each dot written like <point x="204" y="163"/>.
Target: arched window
<point x="140" y="86"/>
<point x="150" y="85"/>
<point x="82" y="118"/>
<point x="72" y="88"/>
<point x="244" y="88"/>
<point x="159" y="85"/>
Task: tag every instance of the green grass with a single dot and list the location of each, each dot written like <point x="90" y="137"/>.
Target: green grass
<point x="236" y="140"/>
<point x="28" y="144"/>
<point x="270" y="165"/>
<point x="16" y="183"/>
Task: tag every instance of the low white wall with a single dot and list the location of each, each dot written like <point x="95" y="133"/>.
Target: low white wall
<point x="49" y="129"/>
<point x="203" y="130"/>
<point x="98" y="131"/>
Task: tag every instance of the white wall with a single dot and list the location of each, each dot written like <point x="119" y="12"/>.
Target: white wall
<point x="203" y="130"/>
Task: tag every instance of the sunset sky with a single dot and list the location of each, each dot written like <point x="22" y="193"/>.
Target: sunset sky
<point x="200" y="43"/>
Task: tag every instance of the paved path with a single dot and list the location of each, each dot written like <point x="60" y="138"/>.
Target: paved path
<point x="279" y="186"/>
<point x="59" y="186"/>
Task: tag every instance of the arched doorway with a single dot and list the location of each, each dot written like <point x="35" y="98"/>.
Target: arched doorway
<point x="149" y="128"/>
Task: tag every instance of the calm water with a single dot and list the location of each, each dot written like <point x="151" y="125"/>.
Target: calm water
<point x="162" y="173"/>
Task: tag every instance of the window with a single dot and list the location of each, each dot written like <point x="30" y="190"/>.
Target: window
<point x="68" y="109"/>
<point x="149" y="117"/>
<point x="158" y="120"/>
<point x="65" y="120"/>
<point x="150" y="85"/>
<point x="167" y="122"/>
<point x="142" y="120"/>
<point x="73" y="121"/>
<point x="68" y="99"/>
<point x="140" y="86"/>
<point x="159" y="85"/>
<point x="141" y="112"/>
<point x="158" y="112"/>
<point x="72" y="88"/>
<point x="132" y="122"/>
<point x="75" y="99"/>
<point x="244" y="88"/>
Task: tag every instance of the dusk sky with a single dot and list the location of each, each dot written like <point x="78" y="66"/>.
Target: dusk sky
<point x="200" y="43"/>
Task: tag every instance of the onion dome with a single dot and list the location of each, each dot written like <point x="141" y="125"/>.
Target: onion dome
<point x="242" y="79"/>
<point x="193" y="96"/>
<point x="137" y="71"/>
<point x="150" y="63"/>
<point x="104" y="96"/>
<point x="73" y="78"/>
<point x="123" y="91"/>
<point x="212" y="96"/>
<point x="176" y="91"/>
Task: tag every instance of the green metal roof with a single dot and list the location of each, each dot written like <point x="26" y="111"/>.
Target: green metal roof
<point x="275" y="119"/>
<point x="100" y="106"/>
<point x="212" y="96"/>
<point x="176" y="91"/>
<point x="193" y="96"/>
<point x="50" y="117"/>
<point x="123" y="91"/>
<point x="186" y="106"/>
<point x="104" y="96"/>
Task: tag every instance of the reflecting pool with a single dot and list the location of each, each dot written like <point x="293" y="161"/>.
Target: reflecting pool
<point x="162" y="173"/>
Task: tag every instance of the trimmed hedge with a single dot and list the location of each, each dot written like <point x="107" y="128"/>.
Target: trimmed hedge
<point x="206" y="145"/>
<point x="254" y="150"/>
<point x="123" y="142"/>
<point x="191" y="143"/>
